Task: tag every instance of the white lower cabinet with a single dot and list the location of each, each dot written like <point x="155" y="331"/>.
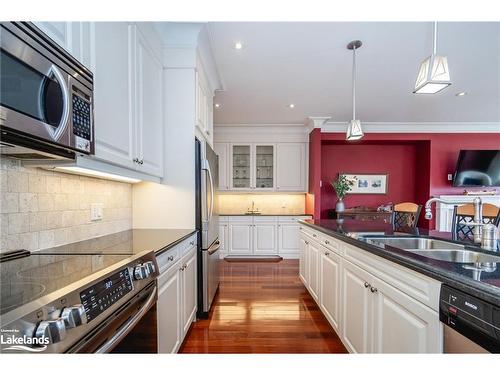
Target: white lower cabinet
<point x="176" y="305"/>
<point x="264" y="238"/>
<point x="403" y="325"/>
<point x="366" y="302"/>
<point x="313" y="266"/>
<point x="356" y="309"/>
<point x="188" y="282"/>
<point x="169" y="311"/>
<point x="240" y="238"/>
<point x="330" y="286"/>
<point x="260" y="235"/>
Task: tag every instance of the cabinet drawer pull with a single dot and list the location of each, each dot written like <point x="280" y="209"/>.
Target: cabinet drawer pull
<point x="367" y="285"/>
<point x="170" y="258"/>
<point x="373" y="290"/>
<point x="314" y="235"/>
<point x="327" y="242"/>
<point x="191" y="243"/>
<point x="307" y="242"/>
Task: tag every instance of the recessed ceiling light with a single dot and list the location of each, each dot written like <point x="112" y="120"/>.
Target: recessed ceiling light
<point x="238" y="45"/>
<point x="291" y="105"/>
<point x="462" y="93"/>
<point x="217" y="105"/>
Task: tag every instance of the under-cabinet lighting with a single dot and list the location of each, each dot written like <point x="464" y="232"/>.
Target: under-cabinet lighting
<point x="463" y="93"/>
<point x="98" y="174"/>
<point x="217" y="105"/>
<point x="291" y="105"/>
<point x="238" y="45"/>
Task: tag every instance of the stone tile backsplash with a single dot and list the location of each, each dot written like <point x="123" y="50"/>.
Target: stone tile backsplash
<point x="41" y="208"/>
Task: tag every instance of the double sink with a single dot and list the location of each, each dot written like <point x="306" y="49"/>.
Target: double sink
<point x="434" y="248"/>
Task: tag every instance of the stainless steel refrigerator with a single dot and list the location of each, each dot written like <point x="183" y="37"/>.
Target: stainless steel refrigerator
<point x="207" y="223"/>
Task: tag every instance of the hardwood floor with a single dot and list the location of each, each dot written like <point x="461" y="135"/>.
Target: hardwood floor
<point x="262" y="308"/>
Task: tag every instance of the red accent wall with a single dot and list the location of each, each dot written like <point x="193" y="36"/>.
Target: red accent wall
<point x="398" y="161"/>
<point x="434" y="156"/>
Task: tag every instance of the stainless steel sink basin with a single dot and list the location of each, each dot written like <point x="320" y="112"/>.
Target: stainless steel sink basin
<point x="458" y="256"/>
<point x="435" y="249"/>
<point x="414" y="243"/>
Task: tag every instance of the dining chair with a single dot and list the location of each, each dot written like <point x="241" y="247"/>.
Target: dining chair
<point x="405" y="215"/>
<point x="462" y="215"/>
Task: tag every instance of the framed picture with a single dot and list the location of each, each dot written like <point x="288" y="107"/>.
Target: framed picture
<point x="364" y="183"/>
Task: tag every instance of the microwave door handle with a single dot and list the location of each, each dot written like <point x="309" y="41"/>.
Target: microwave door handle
<point x="63" y="124"/>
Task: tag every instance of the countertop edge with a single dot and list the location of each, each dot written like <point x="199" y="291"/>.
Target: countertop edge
<point x="176" y="242"/>
<point x="477" y="289"/>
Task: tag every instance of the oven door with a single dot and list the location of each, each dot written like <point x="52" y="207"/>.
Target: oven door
<point x="34" y="92"/>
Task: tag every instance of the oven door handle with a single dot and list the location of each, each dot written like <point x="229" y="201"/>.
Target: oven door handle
<point x="127" y="327"/>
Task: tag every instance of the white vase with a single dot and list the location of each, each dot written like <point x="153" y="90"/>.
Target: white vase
<point x="340" y="206"/>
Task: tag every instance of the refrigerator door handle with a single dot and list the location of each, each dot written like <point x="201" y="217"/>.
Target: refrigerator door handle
<point x="214" y="248"/>
<point x="206" y="166"/>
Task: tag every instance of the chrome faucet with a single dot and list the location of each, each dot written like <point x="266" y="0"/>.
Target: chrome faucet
<point x="478" y="214"/>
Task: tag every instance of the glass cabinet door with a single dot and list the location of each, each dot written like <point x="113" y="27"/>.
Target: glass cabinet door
<point x="264" y="167"/>
<point x="241" y="172"/>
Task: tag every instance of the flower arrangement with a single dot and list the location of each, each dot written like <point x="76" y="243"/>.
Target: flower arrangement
<point x="342" y="185"/>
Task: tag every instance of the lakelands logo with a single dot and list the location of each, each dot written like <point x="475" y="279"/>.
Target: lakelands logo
<point x="22" y="343"/>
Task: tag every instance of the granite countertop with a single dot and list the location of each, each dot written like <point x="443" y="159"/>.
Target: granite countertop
<point x="128" y="242"/>
<point x="484" y="284"/>
<point x="264" y="214"/>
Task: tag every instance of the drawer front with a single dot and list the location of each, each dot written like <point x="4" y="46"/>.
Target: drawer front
<point x="168" y="258"/>
<point x="265" y="219"/>
<point x="187" y="244"/>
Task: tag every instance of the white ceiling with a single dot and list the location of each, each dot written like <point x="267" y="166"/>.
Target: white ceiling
<point x="308" y="64"/>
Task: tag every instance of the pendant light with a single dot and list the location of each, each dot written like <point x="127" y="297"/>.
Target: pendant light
<point x="354" y="131"/>
<point x="433" y="75"/>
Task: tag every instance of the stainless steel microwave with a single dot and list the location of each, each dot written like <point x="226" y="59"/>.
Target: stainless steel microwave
<point x="46" y="97"/>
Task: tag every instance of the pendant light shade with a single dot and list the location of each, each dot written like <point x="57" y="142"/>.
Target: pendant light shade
<point x="433" y="75"/>
<point x="354" y="130"/>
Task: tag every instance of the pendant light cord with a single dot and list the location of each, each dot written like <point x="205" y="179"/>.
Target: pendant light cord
<point x="435" y="36"/>
<point x="354" y="83"/>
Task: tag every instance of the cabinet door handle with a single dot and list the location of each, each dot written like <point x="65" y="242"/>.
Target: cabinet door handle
<point x="327" y="242"/>
<point x="135" y="160"/>
<point x="373" y="290"/>
<point x="367" y="285"/>
<point x="307" y="242"/>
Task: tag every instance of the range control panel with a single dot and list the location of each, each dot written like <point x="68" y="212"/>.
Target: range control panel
<point x="82" y="122"/>
<point x="474" y="318"/>
<point x="105" y="293"/>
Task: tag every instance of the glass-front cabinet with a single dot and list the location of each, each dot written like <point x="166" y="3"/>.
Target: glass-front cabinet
<point x="253" y="166"/>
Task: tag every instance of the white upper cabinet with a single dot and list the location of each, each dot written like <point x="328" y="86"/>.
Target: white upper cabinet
<point x="291" y="167"/>
<point x="262" y="166"/>
<point x="252" y="167"/>
<point x="204" y="106"/>
<point x="222" y="150"/>
<point x="148" y="99"/>
<point x="127" y="96"/>
<point x="111" y="62"/>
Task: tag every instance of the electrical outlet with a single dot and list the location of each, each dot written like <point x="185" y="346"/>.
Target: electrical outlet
<point x="96" y="211"/>
<point x="450" y="177"/>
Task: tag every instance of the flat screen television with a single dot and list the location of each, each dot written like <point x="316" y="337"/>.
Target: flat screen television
<point x="477" y="168"/>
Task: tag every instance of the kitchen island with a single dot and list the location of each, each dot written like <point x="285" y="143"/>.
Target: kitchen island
<point x="383" y="299"/>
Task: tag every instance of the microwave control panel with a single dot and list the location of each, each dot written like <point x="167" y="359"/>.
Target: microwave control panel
<point x="82" y="123"/>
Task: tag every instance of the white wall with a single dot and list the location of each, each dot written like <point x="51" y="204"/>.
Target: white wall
<point x="172" y="204"/>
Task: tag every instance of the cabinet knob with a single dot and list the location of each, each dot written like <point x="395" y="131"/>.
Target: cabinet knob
<point x="367" y="285"/>
<point x="373" y="290"/>
<point x="135" y="160"/>
<point x="314" y="235"/>
<point x="327" y="242"/>
<point x="327" y="253"/>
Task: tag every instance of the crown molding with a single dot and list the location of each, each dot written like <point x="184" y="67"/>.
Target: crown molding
<point x="416" y="127"/>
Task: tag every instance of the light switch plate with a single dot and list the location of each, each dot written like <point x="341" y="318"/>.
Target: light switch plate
<point x="450" y="177"/>
<point x="96" y="211"/>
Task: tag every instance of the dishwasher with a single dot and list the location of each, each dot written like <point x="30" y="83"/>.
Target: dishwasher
<point x="471" y="325"/>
